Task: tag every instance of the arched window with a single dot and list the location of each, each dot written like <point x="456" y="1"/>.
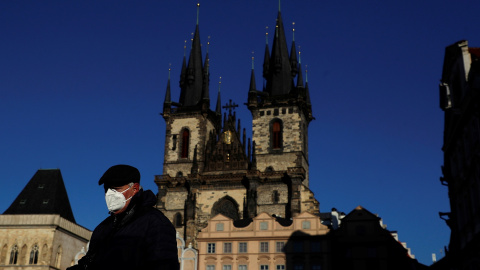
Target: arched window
<point x="227" y="207"/>
<point x="185" y="143"/>
<point x="3" y="255"/>
<point x="34" y="255"/>
<point x="177" y="220"/>
<point x="276" y="134"/>
<point x="23" y="255"/>
<point x="58" y="257"/>
<point x="14" y="255"/>
<point x="44" y="252"/>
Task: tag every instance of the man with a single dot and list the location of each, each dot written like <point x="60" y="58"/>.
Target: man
<point x="135" y="235"/>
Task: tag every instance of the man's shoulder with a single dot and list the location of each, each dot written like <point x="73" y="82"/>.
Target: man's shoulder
<point x="155" y="214"/>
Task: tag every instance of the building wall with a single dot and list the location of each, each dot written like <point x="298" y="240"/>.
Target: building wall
<point x="264" y="228"/>
<point x="459" y="90"/>
<point x="294" y="151"/>
<point x="53" y="235"/>
<point x="199" y="128"/>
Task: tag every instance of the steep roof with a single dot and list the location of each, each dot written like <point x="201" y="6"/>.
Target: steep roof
<point x="45" y="193"/>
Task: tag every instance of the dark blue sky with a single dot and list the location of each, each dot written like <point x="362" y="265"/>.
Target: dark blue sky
<point x="82" y="84"/>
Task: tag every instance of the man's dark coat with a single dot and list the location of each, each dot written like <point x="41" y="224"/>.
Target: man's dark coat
<point x="139" y="238"/>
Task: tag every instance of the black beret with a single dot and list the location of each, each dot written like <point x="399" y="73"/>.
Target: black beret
<point x="120" y="175"/>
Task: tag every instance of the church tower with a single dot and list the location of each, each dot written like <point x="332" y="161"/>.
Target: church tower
<point x="211" y="167"/>
<point x="191" y="121"/>
<point x="282" y="111"/>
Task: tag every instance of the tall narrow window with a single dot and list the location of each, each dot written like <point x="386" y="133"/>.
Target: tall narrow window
<point x="34" y="255"/>
<point x="185" y="142"/>
<point x="14" y="255"/>
<point x="58" y="257"/>
<point x="276" y="134"/>
<point x="178" y="220"/>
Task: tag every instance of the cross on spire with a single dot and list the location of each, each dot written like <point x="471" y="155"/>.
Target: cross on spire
<point x="229" y="106"/>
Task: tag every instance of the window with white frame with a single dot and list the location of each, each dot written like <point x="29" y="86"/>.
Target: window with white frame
<point x="211" y="248"/>
<point x="227" y="267"/>
<point x="280" y="266"/>
<point x="264" y="267"/>
<point x="263" y="246"/>
<point x="242" y="267"/>
<point x="242" y="247"/>
<point x="280" y="246"/>
<point x="227" y="247"/>
<point x="210" y="267"/>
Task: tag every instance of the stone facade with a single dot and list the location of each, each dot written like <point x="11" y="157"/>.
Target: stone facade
<point x="294" y="150"/>
<point x="40" y="242"/>
<point x="223" y="172"/>
<point x="199" y="127"/>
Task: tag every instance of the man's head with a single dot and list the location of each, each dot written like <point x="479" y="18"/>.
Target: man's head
<point x="121" y="183"/>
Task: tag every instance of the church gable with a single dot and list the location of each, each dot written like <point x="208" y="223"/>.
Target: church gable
<point x="226" y="151"/>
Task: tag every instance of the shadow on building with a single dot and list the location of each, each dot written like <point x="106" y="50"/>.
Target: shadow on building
<point x="360" y="242"/>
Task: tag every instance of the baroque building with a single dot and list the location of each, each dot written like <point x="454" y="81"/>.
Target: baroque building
<point x="460" y="101"/>
<point x="210" y="167"/>
<point x="38" y="230"/>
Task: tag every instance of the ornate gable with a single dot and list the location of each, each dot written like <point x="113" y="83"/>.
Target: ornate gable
<point x="226" y="151"/>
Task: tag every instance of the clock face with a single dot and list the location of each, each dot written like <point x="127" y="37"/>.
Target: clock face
<point x="227" y="137"/>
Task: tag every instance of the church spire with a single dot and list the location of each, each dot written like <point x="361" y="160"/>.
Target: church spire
<point x="279" y="81"/>
<point x="168" y="98"/>
<point x="293" y="54"/>
<point x="218" y="109"/>
<point x="192" y="92"/>
<point x="206" y="78"/>
<point x="253" y="87"/>
<point x="300" y="76"/>
<point x="266" y="59"/>
<point x="167" y="103"/>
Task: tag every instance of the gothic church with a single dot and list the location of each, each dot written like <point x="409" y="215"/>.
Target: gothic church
<point x="210" y="167"/>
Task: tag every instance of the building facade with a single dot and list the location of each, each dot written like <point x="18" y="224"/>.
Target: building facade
<point x="263" y="244"/>
<point x="38" y="230"/>
<point x="210" y="167"/>
<point x="460" y="101"/>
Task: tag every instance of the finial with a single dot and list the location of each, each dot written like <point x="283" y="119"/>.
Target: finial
<point x="219" y="83"/>
<point x="266" y="35"/>
<point x="293" y="31"/>
<point x="169" y="69"/>
<point x="185" y="48"/>
<point x="279" y="3"/>
<point x="253" y="59"/>
<point x="198" y="11"/>
<point x="299" y="55"/>
<point x="208" y="43"/>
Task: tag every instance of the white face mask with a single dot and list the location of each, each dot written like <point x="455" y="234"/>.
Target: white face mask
<point x="115" y="200"/>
